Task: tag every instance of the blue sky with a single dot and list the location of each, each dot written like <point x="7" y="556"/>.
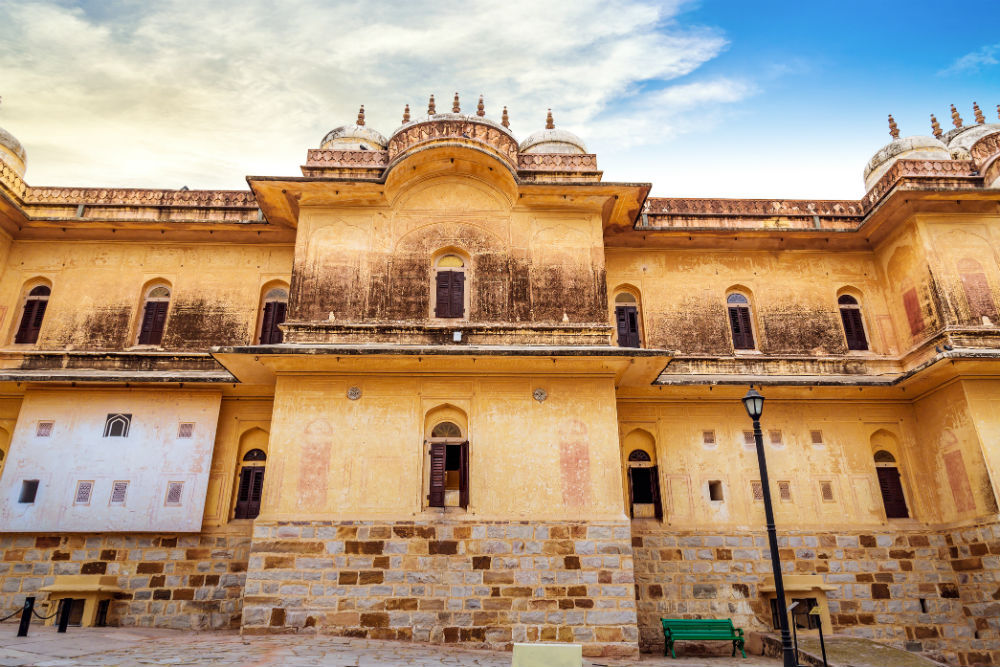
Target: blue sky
<point x="705" y="99"/>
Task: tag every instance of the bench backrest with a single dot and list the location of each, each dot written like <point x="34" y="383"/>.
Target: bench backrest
<point x="704" y="628"/>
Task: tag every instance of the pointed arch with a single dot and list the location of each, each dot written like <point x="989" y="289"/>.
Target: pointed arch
<point x="627" y="301"/>
<point x="272" y="312"/>
<point x="34" y="303"/>
<point x="739" y="306"/>
<point x="152" y="316"/>
<point x="251" y="459"/>
<point x="446" y="457"/>
<point x="642" y="475"/>
<point x="885" y="457"/>
<point x="849" y="303"/>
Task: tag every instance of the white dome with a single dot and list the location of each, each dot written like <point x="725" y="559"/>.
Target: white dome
<point x="354" y="138"/>
<point x="916" y="147"/>
<point x="553" y="141"/>
<point x="12" y="153"/>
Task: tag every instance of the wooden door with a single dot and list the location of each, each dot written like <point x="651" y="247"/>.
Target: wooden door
<point x="854" y="331"/>
<point x="274" y="314"/>
<point x="31" y="321"/>
<point x="153" y="320"/>
<point x="450" y="294"/>
<point x="892" y="493"/>
<point x="627" y="318"/>
<point x="739" y="320"/>
<point x="249" y="493"/>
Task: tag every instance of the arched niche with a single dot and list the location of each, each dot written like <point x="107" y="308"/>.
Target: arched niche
<point x="886" y="457"/>
<point x="485" y="182"/>
<point x="642" y="475"/>
<point x="445" y="413"/>
<point x="446" y="458"/>
<point x="251" y="461"/>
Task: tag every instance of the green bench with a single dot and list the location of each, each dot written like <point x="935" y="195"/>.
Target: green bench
<point x="675" y="629"/>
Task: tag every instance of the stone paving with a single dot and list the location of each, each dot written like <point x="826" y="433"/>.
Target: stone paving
<point x="121" y="647"/>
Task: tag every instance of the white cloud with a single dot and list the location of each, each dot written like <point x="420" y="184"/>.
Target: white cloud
<point x="973" y="62"/>
<point x="173" y="93"/>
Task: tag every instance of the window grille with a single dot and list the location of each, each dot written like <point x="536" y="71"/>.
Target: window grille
<point x="117" y="425"/>
<point x="118" y="491"/>
<point x="757" y="490"/>
<point x="185" y="430"/>
<point x="826" y="490"/>
<point x="174" y="491"/>
<point x="775" y="438"/>
<point x="817" y="437"/>
<point x="708" y="437"/>
<point x="748" y="439"/>
<point x="785" y="490"/>
<point x="83" y="491"/>
<point x="44" y="429"/>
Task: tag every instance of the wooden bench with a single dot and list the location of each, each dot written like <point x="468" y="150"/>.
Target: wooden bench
<point x="675" y="629"/>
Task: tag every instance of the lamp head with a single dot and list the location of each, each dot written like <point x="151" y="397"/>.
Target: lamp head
<point x="754" y="403"/>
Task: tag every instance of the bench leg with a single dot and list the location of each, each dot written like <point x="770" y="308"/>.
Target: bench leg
<point x="738" y="644"/>
<point x="669" y="646"/>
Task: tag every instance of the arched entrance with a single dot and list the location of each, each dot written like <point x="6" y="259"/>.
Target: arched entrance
<point x="891" y="486"/>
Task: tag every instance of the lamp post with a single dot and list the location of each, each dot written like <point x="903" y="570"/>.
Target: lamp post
<point x="754" y="403"/>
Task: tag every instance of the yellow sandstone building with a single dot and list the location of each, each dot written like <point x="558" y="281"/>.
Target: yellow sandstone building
<point x="452" y="387"/>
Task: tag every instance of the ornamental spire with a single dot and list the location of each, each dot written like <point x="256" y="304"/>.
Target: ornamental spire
<point x="361" y="115"/>
<point x="549" y="123"/>
<point x="505" y="119"/>
<point x="406" y="114"/>
<point x="454" y="105"/>
<point x="955" y="118"/>
<point x="936" y="127"/>
<point x="481" y="108"/>
<point x="979" y="114"/>
<point x="893" y="130"/>
<point x="998" y="111"/>
<point x="431" y="107"/>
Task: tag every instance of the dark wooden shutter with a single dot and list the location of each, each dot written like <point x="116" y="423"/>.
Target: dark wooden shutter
<point x="438" y="454"/>
<point x="274" y="314"/>
<point x="631" y="494"/>
<point x="627" y="318"/>
<point x="457" y="294"/>
<point x="250" y="491"/>
<point x="654" y="483"/>
<point x="463" y="476"/>
<point x="854" y="330"/>
<point x="892" y="493"/>
<point x="739" y="320"/>
<point x="31" y="321"/>
<point x="153" y="319"/>
<point x="442" y="307"/>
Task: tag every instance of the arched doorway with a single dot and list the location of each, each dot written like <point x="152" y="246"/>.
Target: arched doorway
<point x="890" y="485"/>
<point x="643" y="476"/>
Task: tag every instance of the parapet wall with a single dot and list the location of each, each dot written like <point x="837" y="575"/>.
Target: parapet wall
<point x="478" y="583"/>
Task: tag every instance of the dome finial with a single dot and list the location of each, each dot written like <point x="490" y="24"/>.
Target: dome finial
<point x="454" y="105"/>
<point x="505" y="119"/>
<point x="406" y="114"/>
<point x="979" y="114"/>
<point x="431" y="107"/>
<point x="361" y="115"/>
<point x="936" y="127"/>
<point x="955" y="118"/>
<point x="893" y="130"/>
<point x="481" y="108"/>
<point x="549" y="123"/>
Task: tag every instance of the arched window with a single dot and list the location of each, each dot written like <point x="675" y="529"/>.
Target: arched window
<point x="854" y="328"/>
<point x="643" y="476"/>
<point x="154" y="315"/>
<point x="250" y="482"/>
<point x="449" y="466"/>
<point x="275" y="306"/>
<point x="32" y="315"/>
<point x="117" y="425"/>
<point x="449" y="286"/>
<point x="627" y="319"/>
<point x="890" y="485"/>
<point x="740" y="321"/>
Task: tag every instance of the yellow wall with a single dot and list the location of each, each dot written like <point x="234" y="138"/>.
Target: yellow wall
<point x="335" y="458"/>
<point x="97" y="290"/>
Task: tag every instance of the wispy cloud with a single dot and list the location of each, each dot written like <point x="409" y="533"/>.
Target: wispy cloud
<point x="172" y="92"/>
<point x="985" y="56"/>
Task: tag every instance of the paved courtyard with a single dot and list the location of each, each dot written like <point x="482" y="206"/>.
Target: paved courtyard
<point x="106" y="647"/>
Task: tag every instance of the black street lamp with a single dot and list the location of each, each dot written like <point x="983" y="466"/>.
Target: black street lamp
<point x="754" y="403"/>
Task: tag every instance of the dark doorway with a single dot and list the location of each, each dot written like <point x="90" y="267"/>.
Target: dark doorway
<point x="250" y="490"/>
<point x="627" y="318"/>
<point x="892" y="493"/>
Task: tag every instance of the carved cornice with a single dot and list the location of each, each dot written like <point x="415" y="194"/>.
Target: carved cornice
<point x="141" y="197"/>
<point x="465" y="131"/>
<point x="321" y="157"/>
<point x="769" y="208"/>
<point x="557" y="162"/>
<point x="11" y="181"/>
<point x="916" y="169"/>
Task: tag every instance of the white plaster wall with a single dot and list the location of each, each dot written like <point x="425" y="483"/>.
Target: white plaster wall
<point x="151" y="456"/>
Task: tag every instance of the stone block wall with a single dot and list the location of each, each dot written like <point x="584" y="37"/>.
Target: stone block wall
<point x="892" y="586"/>
<point x="484" y="584"/>
<point x="188" y="581"/>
